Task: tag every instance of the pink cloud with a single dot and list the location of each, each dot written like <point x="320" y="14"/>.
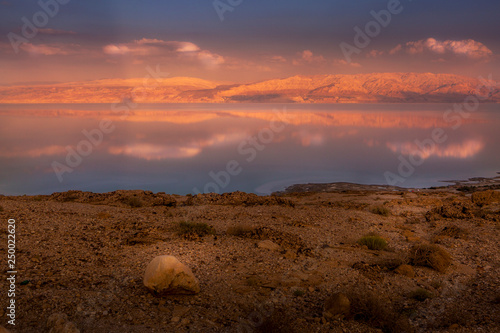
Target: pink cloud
<point x="37" y="152"/>
<point x="342" y="62"/>
<point x="307" y="56"/>
<point x="157" y="47"/>
<point x="276" y="58"/>
<point x="374" y="54"/>
<point x="464" y="150"/>
<point x="49" y="49"/>
<point x="49" y="31"/>
<point x="468" y="48"/>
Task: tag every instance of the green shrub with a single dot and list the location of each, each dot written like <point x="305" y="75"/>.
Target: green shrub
<point x="193" y="230"/>
<point x="381" y="210"/>
<point x="373" y="242"/>
<point x="420" y="294"/>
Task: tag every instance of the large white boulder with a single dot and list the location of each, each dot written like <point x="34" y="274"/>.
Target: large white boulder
<point x="167" y="275"/>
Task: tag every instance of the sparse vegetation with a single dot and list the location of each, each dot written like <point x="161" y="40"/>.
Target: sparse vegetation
<point x="279" y="321"/>
<point x="373" y="242"/>
<point x="1" y="209"/>
<point x="239" y="230"/>
<point x="437" y="284"/>
<point x="376" y="310"/>
<point x="69" y="197"/>
<point x="104" y="215"/>
<point x="380" y="210"/>
<point x="298" y="292"/>
<point x="134" y="202"/>
<point x="420" y="294"/>
<point x="193" y="230"/>
<point x="430" y="255"/>
<point x="38" y="198"/>
<point x="452" y="231"/>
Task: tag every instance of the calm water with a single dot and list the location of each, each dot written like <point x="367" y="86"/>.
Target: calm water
<point x="254" y="148"/>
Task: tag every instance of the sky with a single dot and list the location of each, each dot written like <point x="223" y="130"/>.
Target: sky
<point x="51" y="41"/>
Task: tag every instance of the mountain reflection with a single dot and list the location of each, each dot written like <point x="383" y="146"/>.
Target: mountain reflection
<point x="181" y="147"/>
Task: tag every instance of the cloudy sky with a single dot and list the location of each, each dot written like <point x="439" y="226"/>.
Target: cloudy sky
<point x="243" y="40"/>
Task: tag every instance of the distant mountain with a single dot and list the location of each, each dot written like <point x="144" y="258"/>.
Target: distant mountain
<point x="361" y="88"/>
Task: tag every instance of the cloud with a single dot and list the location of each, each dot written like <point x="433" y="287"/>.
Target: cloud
<point x="342" y="62"/>
<point x="36" y="152"/>
<point x="276" y="58"/>
<point x="157" y="47"/>
<point x="152" y="152"/>
<point x="467" y="48"/>
<point x="464" y="150"/>
<point x="307" y="56"/>
<point x="49" y="49"/>
<point x="49" y="31"/>
<point x="374" y="53"/>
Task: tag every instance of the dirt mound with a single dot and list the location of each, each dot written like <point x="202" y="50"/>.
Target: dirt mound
<point x="451" y="210"/>
<point x="485" y="197"/>
<point x="237" y="199"/>
<point x="134" y="199"/>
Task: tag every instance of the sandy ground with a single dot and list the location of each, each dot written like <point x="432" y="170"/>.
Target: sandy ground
<point x="84" y="255"/>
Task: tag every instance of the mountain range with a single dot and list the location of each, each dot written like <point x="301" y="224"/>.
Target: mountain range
<point x="360" y="88"/>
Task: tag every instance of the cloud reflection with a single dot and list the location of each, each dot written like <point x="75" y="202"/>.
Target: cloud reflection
<point x="466" y="149"/>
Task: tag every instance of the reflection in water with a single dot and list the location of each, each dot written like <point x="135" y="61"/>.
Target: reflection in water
<point x="176" y="150"/>
<point x="467" y="149"/>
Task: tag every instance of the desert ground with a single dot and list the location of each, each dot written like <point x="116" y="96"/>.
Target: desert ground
<point x="402" y="260"/>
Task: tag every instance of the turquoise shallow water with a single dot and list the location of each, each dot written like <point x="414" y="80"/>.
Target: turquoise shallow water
<point x="255" y="148"/>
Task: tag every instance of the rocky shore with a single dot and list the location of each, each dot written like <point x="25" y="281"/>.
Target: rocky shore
<point x="345" y="259"/>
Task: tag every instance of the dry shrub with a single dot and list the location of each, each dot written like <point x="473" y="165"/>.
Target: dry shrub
<point x="280" y="321"/>
<point x="1" y="209"/>
<point x="421" y="294"/>
<point x="452" y="231"/>
<point x="38" y="197"/>
<point x="104" y="215"/>
<point x="134" y="202"/>
<point x="485" y="197"/>
<point x="240" y="231"/>
<point x="381" y="210"/>
<point x="376" y="310"/>
<point x="193" y="230"/>
<point x="430" y="255"/>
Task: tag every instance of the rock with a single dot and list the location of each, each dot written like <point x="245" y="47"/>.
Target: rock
<point x="166" y="275"/>
<point x="336" y="305"/>
<point x="58" y="323"/>
<point x="405" y="270"/>
<point x="267" y="244"/>
<point x="4" y="330"/>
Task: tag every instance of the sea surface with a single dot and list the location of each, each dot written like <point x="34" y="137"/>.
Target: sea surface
<point x="260" y="148"/>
